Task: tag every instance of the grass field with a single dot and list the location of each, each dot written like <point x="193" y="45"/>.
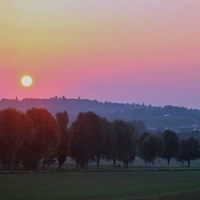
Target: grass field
<point x="148" y="185"/>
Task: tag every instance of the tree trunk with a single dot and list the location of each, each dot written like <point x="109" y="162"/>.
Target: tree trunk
<point x="86" y="165"/>
<point x="61" y="162"/>
<point x="12" y="164"/>
<point x="126" y="165"/>
<point x="44" y="163"/>
<point x="188" y="163"/>
<point x="37" y="164"/>
<point x="114" y="163"/>
<point x="168" y="162"/>
<point x="98" y="164"/>
<point x="59" y="165"/>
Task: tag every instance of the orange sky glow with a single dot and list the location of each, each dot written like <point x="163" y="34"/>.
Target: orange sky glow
<point x="126" y="51"/>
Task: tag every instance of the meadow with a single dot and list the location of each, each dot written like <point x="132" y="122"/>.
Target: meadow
<point x="125" y="185"/>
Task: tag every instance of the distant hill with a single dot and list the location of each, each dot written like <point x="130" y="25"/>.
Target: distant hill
<point x="155" y="118"/>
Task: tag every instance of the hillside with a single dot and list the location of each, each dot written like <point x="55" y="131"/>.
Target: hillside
<point x="155" y="118"/>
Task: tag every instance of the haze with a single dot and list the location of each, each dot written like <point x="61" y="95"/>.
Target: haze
<point x="121" y="51"/>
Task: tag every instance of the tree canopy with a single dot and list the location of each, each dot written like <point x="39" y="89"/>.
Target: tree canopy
<point x="15" y="129"/>
<point x="46" y="138"/>
<point x="152" y="147"/>
<point x="171" y="145"/>
<point x="37" y="138"/>
<point x="189" y="150"/>
<point x="62" y="119"/>
<point x="126" y="142"/>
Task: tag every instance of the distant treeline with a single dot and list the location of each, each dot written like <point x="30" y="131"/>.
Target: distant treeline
<point x="36" y="139"/>
<point x="154" y="117"/>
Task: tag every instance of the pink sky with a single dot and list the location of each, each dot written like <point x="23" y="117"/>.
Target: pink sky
<point x="126" y="51"/>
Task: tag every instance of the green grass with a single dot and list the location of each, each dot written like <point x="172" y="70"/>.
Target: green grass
<point x="149" y="185"/>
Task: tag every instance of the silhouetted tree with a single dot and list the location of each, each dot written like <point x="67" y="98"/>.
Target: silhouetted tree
<point x="87" y="139"/>
<point x="45" y="141"/>
<point x="126" y="142"/>
<point x="109" y="151"/>
<point x="152" y="147"/>
<point x="141" y="139"/>
<point x="171" y="145"/>
<point x="62" y="149"/>
<point x="15" y="128"/>
<point x="99" y="138"/>
<point x="140" y="127"/>
<point x="189" y="150"/>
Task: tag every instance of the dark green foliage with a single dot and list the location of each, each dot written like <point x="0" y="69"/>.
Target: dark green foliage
<point x="105" y="141"/>
<point x="87" y="139"/>
<point x="189" y="150"/>
<point x="171" y="145"/>
<point x="126" y="142"/>
<point x="139" y="126"/>
<point x="62" y="149"/>
<point x="62" y="119"/>
<point x="140" y="142"/>
<point x="152" y="147"/>
<point x="193" y="148"/>
<point x="109" y="150"/>
<point x="37" y="138"/>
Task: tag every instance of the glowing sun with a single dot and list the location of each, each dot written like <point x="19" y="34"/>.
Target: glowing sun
<point x="26" y="81"/>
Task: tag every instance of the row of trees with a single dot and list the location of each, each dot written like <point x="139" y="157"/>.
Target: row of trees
<point x="37" y="138"/>
<point x="168" y="146"/>
<point x="27" y="138"/>
<point x="93" y="138"/>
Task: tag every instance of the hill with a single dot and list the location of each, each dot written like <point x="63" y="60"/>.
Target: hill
<point x="155" y="118"/>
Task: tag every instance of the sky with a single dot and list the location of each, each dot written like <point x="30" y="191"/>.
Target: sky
<point x="130" y="51"/>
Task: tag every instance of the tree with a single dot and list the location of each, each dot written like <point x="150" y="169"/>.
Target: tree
<point x="140" y="143"/>
<point x="152" y="147"/>
<point x="62" y="149"/>
<point x="77" y="142"/>
<point x="15" y="128"/>
<point x="87" y="139"/>
<point x="171" y="145"/>
<point x="193" y="149"/>
<point x="189" y="150"/>
<point x="126" y="142"/>
<point x="99" y="139"/>
<point x="45" y="141"/>
<point x="140" y="127"/>
<point x="182" y="152"/>
<point x="109" y="152"/>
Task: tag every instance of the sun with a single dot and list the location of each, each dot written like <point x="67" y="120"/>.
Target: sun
<point x="26" y="81"/>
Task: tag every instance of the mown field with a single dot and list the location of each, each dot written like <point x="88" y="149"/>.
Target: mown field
<point x="138" y="185"/>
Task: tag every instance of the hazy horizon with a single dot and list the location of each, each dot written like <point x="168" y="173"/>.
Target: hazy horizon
<point x="77" y="98"/>
<point x="118" y="51"/>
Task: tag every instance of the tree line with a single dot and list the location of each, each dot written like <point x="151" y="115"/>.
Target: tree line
<point x="36" y="138"/>
<point x="173" y="117"/>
